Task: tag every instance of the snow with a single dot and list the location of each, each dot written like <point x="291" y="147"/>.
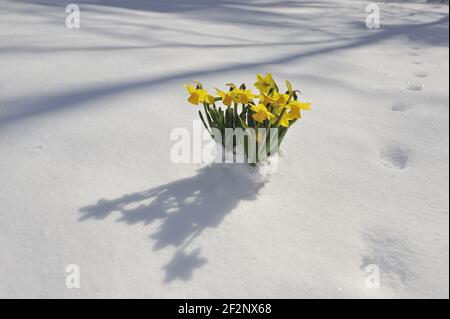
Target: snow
<point x="86" y="178"/>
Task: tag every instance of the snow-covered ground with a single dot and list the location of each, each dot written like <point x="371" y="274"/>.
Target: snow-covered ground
<point x="86" y="178"/>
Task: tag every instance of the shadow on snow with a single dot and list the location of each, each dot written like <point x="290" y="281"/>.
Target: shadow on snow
<point x="185" y="209"/>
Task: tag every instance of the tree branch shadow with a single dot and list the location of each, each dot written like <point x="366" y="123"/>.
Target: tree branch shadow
<point x="185" y="208"/>
<point x="27" y="106"/>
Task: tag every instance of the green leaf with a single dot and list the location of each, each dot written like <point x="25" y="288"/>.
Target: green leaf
<point x="242" y="122"/>
<point x="228" y="118"/>
<point x="250" y="120"/>
<point x="204" y="123"/>
<point x="279" y="119"/>
<point x="289" y="86"/>
<point x="210" y="116"/>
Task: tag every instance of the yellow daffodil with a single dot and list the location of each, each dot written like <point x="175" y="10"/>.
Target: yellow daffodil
<point x="280" y="99"/>
<point x="241" y="109"/>
<point x="261" y="113"/>
<point x="242" y="96"/>
<point x="295" y="107"/>
<point x="284" y="121"/>
<point x="264" y="84"/>
<point x="227" y="97"/>
<point x="199" y="96"/>
<point x="265" y="99"/>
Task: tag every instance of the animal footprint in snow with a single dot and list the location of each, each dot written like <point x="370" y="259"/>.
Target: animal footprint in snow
<point x="413" y="54"/>
<point x="395" y="155"/>
<point x="414" y="86"/>
<point x="400" y="106"/>
<point x="421" y="74"/>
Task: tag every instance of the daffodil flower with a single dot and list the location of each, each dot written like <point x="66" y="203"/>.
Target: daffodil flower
<point x="242" y="96"/>
<point x="227" y="98"/>
<point x="284" y="120"/>
<point x="199" y="96"/>
<point x="269" y="108"/>
<point x="295" y="107"/>
<point x="265" y="99"/>
<point x="280" y="99"/>
<point x="264" y="84"/>
<point x="261" y="113"/>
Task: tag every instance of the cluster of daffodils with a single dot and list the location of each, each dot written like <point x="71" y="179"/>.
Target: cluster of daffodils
<point x="268" y="109"/>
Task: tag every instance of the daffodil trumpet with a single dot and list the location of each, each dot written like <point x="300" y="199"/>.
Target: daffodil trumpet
<point x="260" y="110"/>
